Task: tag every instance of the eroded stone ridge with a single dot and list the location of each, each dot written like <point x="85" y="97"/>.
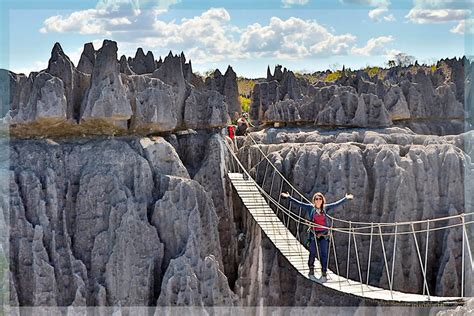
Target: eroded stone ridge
<point x="104" y="95"/>
<point x="115" y="222"/>
<point x="227" y="85"/>
<point x="397" y="96"/>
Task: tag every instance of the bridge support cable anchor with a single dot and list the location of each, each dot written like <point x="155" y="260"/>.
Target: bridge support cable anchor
<point x="421" y="263"/>
<point x="393" y="255"/>
<point x="468" y="246"/>
<point x="279" y="202"/>
<point x="462" y="258"/>
<point x="329" y="244"/>
<point x="265" y="176"/>
<point x="335" y="257"/>
<point x="386" y="262"/>
<point x="271" y="190"/>
<point x="348" y="252"/>
<point x="370" y="252"/>
<point x="358" y="264"/>
<point x="426" y="248"/>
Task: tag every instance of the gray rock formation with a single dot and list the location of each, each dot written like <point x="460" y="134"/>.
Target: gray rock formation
<point x="46" y="103"/>
<point x="331" y="106"/>
<point x="205" y="109"/>
<point x="111" y="222"/>
<point x="210" y="176"/>
<point x="263" y="95"/>
<point x="104" y="96"/>
<point x="124" y="66"/>
<point x="187" y="68"/>
<point x="227" y="85"/>
<point x="132" y="267"/>
<point x="75" y="83"/>
<point x="467" y="309"/>
<point x="87" y="60"/>
<point x="395" y="96"/>
<point x="163" y="158"/>
<point x="106" y="100"/>
<point x="141" y="63"/>
<point x="395" y="102"/>
<point x="284" y="111"/>
<point x="10" y="88"/>
<point x="171" y="73"/>
<point x="153" y="103"/>
<point x="194" y="278"/>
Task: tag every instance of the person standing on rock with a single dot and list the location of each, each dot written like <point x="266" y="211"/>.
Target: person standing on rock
<point x="316" y="213"/>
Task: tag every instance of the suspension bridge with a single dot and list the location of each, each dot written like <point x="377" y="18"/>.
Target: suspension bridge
<point x="259" y="186"/>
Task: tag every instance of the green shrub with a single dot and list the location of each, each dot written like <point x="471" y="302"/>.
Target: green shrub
<point x="333" y="76"/>
<point x="372" y="71"/>
<point x="245" y="102"/>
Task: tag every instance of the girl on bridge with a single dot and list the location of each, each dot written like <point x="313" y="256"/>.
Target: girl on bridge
<point x="316" y="212"/>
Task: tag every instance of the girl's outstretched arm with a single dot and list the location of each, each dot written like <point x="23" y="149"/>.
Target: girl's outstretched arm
<point x="299" y="203"/>
<point x="339" y="202"/>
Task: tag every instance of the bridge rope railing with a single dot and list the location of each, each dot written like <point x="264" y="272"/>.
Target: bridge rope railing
<point x="354" y="228"/>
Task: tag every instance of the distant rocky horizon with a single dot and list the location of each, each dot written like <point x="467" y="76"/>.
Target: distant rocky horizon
<point x="72" y="99"/>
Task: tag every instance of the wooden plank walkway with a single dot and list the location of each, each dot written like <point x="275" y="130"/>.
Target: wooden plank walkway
<point x="297" y="255"/>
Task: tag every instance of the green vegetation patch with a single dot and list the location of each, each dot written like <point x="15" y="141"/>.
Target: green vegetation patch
<point x="333" y="76"/>
<point x="372" y="71"/>
<point x="245" y="102"/>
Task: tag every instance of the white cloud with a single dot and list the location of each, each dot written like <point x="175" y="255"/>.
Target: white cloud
<point x="289" y="3"/>
<point x="464" y="27"/>
<point x="83" y="22"/>
<point x="211" y="36"/>
<point x="207" y="32"/>
<point x="424" y="16"/>
<point x="109" y="15"/>
<point x="380" y="13"/>
<point x="375" y="46"/>
<point x="376" y="13"/>
<point x="294" y="38"/>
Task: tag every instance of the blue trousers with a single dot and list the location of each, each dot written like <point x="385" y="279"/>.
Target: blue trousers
<point x="323" y="246"/>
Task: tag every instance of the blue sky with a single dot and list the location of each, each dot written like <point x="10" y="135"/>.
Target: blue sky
<point x="307" y="35"/>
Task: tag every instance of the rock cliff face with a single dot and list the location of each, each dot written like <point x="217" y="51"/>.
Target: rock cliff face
<point x="134" y="220"/>
<point x="398" y="96"/>
<point x="113" y="222"/>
